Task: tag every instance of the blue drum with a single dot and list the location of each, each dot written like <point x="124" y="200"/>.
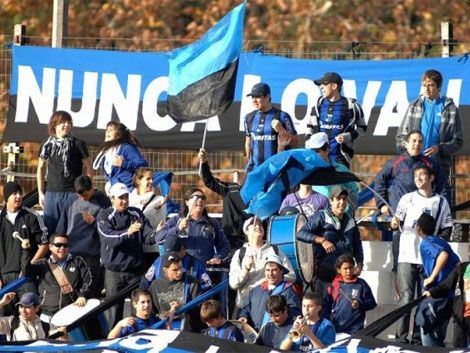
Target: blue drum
<point x="281" y="232"/>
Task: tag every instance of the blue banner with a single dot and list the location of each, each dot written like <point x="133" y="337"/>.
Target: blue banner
<point x="97" y="86"/>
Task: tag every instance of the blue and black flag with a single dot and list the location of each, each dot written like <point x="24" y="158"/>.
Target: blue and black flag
<point x="203" y="74"/>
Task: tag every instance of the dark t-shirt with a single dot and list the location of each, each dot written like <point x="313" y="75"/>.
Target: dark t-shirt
<point x="56" y="180"/>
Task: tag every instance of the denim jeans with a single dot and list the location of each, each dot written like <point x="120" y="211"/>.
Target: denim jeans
<point x="410" y="279"/>
<point x="434" y="338"/>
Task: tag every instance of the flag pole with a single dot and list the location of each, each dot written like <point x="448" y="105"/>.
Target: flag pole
<point x="202" y="146"/>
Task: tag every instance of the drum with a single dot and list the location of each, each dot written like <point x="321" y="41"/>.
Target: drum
<point x="96" y="328"/>
<point x="281" y="232"/>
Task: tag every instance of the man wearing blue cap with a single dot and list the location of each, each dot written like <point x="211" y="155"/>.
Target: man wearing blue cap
<point x="341" y="118"/>
<point x="27" y="325"/>
<point x="264" y="126"/>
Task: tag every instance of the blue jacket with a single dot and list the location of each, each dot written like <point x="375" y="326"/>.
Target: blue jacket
<point x="202" y="237"/>
<point x="122" y="252"/>
<point x="345" y="237"/>
<point x="132" y="159"/>
<point x="191" y="266"/>
<point x="396" y="178"/>
<point x="337" y="305"/>
<point x="256" y="307"/>
<point x="140" y="324"/>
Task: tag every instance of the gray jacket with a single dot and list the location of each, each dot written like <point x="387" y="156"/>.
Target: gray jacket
<point x="451" y="136"/>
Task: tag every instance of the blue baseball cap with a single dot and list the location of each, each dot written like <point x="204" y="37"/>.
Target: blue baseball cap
<point x="29" y="299"/>
<point x="260" y="89"/>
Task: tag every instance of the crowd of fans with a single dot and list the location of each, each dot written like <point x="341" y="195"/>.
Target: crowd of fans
<point x="90" y="241"/>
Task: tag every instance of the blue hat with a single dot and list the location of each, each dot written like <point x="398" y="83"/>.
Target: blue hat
<point x="330" y="77"/>
<point x="29" y="299"/>
<point x="173" y="244"/>
<point x="260" y="89"/>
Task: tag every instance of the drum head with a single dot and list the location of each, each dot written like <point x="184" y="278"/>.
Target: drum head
<point x="304" y="255"/>
<point x="70" y="313"/>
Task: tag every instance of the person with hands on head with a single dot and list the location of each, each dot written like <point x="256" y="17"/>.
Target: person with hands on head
<point x="332" y="233"/>
<point x="142" y="304"/>
<point x="315" y="332"/>
<point x="63" y="279"/>
<point x="64" y="158"/>
<point x="123" y="232"/>
<point x="203" y="236"/>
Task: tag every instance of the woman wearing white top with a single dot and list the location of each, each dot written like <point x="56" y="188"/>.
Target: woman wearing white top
<point x="145" y="198"/>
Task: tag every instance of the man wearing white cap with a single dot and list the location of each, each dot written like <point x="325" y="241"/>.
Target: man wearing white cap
<point x="341" y="118"/>
<point x="123" y="232"/>
<point x="320" y="144"/>
<point x="247" y="265"/>
<point x="274" y="284"/>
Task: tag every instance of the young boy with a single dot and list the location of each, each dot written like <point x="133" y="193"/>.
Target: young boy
<point x="274" y="331"/>
<point x="438" y="262"/>
<point x="347" y="298"/>
<point x="315" y="332"/>
<point x="212" y="315"/>
<point x="142" y="303"/>
<point x="174" y="290"/>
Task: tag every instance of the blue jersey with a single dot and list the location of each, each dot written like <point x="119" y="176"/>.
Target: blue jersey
<point x="263" y="137"/>
<point x="140" y="324"/>
<point x="342" y="116"/>
<point x="325" y="332"/>
<point x="227" y="331"/>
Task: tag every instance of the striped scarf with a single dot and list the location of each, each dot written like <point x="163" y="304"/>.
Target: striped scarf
<point x="60" y="147"/>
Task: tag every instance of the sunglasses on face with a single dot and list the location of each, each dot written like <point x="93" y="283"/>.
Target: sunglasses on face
<point x="61" y="245"/>
<point x="202" y="197"/>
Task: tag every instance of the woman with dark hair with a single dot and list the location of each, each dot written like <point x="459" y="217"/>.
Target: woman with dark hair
<point x="119" y="156"/>
<point x="203" y="237"/>
<point x="65" y="158"/>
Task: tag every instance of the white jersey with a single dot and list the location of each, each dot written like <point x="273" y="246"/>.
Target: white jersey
<point x="410" y="207"/>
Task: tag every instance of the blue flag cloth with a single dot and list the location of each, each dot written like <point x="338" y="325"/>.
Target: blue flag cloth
<point x="268" y="184"/>
<point x="163" y="181"/>
<point x="203" y="74"/>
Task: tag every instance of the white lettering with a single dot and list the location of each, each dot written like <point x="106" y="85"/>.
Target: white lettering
<point x="454" y="87"/>
<point x="42" y="98"/>
<point x="86" y="114"/>
<point x="289" y="99"/>
<point x="349" y="88"/>
<point x="112" y="95"/>
<point x="153" y="120"/>
<point x="395" y="105"/>
<point x="370" y="96"/>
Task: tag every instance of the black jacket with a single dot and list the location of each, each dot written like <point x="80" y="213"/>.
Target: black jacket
<point x="10" y="248"/>
<point x="449" y="285"/>
<point x="50" y="294"/>
<point x="233" y="205"/>
<point x="121" y="252"/>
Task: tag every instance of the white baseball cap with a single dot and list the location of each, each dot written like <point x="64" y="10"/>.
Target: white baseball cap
<point x="316" y="140"/>
<point x="118" y="189"/>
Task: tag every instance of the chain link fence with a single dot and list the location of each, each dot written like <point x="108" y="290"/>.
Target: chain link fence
<point x="184" y="164"/>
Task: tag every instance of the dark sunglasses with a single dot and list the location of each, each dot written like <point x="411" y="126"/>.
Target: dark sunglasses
<point x="202" y="197"/>
<point x="63" y="245"/>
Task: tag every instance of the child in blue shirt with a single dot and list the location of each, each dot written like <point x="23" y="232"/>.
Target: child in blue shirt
<point x="347" y="298"/>
<point x="212" y="315"/>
